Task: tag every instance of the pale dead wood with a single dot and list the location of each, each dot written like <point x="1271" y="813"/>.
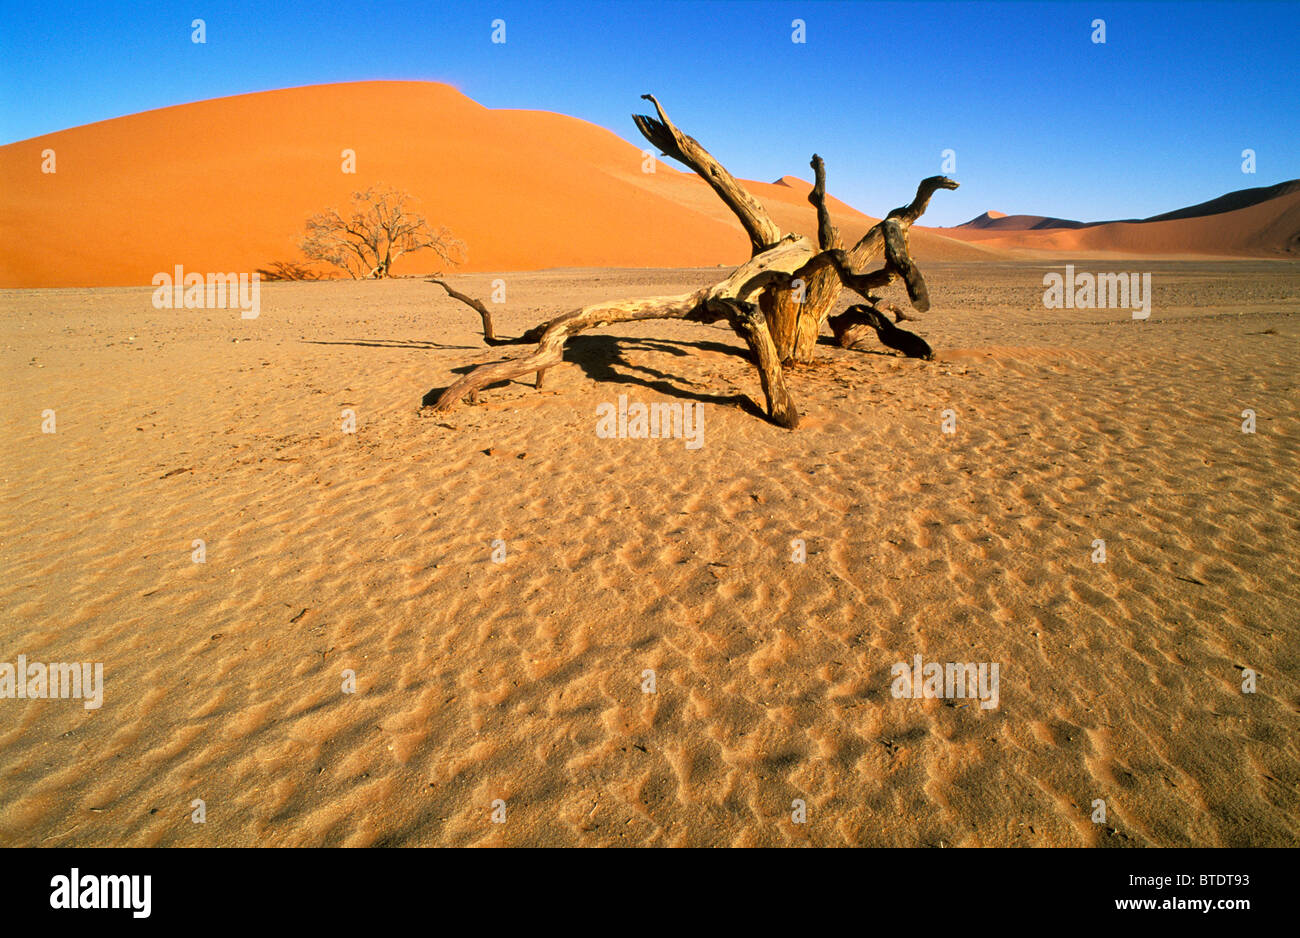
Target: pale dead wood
<point x="747" y="319"/>
<point x="786" y="255"/>
<point x="796" y="313"/>
<point x="489" y="332"/>
<point x="760" y="298"/>
<point x="762" y="231"/>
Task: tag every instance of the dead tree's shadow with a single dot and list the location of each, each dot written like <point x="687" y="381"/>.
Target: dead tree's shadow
<point x="390" y="343"/>
<point x="602" y="358"/>
<point x="829" y="342"/>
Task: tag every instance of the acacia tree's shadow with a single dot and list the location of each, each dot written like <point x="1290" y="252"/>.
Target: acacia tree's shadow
<point x="602" y="358"/>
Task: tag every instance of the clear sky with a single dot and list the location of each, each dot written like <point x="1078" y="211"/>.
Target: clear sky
<point x="1042" y="120"/>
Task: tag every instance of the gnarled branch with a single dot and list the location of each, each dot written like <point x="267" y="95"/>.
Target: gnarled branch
<point x="663" y="133"/>
<point x="849" y="325"/>
<point x="489" y="333"/>
<point x="828" y="235"/>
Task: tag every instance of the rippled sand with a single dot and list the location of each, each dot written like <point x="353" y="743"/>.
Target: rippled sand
<point x="522" y="680"/>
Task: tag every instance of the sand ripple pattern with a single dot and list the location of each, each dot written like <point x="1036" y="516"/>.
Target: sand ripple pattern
<point x="522" y="680"/>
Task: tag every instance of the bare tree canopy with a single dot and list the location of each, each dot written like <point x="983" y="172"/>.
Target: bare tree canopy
<point x="375" y="231"/>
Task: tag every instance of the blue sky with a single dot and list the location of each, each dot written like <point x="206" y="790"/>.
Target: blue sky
<point x="1041" y="119"/>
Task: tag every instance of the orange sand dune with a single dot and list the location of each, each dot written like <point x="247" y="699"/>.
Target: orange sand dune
<point x="226" y="184"/>
<point x="1268" y="227"/>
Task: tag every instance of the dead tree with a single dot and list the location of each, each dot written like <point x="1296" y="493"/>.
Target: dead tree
<point x="777" y="301"/>
<point x="378" y="228"/>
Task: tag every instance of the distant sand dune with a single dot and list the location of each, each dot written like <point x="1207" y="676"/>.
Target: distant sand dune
<point x="1259" y="222"/>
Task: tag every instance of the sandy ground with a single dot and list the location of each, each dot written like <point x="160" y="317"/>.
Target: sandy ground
<point x="523" y="680"/>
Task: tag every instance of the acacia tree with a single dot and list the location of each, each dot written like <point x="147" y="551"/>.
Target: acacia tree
<point x="777" y="301"/>
<point x="375" y="231"/>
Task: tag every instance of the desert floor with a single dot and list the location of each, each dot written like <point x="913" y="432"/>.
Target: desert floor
<point x="522" y="680"/>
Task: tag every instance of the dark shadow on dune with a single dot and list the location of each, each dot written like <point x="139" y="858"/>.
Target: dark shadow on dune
<point x="603" y="359"/>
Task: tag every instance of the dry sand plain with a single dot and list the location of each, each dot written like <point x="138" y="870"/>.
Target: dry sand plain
<point x="522" y="680"/>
